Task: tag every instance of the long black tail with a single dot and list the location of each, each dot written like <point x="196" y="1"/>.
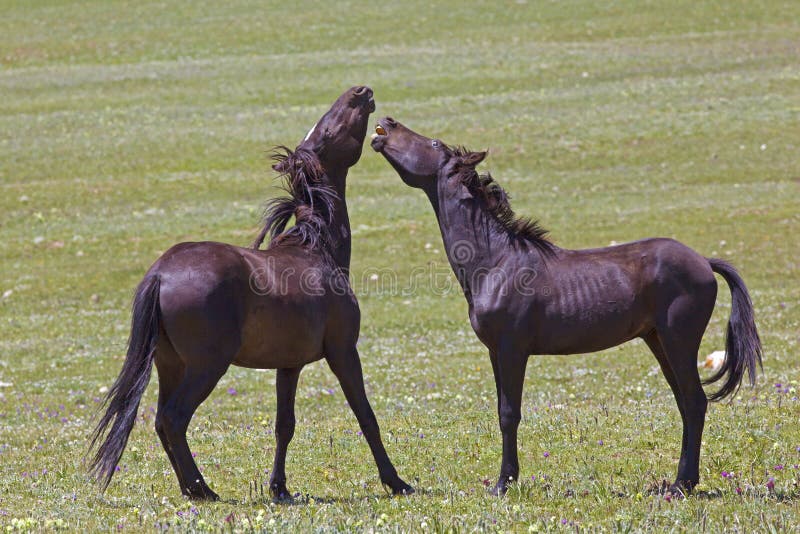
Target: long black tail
<point x="742" y="344"/>
<point x="124" y="396"/>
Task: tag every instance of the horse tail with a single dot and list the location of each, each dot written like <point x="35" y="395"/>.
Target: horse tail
<point x="124" y="396"/>
<point x="742" y="344"/>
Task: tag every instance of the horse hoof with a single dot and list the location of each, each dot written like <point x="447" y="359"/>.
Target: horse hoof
<point x="201" y="493"/>
<point x="680" y="489"/>
<point x="499" y="490"/>
<point x="280" y="494"/>
<point x="402" y="489"/>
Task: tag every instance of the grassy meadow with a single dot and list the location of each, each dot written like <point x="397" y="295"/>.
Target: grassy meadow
<point x="126" y="127"/>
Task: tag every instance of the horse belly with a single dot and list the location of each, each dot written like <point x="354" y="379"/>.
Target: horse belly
<point x="590" y="314"/>
<point x="277" y="337"/>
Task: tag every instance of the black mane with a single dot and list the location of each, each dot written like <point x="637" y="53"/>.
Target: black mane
<point x="496" y="201"/>
<point x="310" y="202"/>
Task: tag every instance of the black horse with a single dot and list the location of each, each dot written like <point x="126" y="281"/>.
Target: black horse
<point x="204" y="306"/>
<point x="527" y="296"/>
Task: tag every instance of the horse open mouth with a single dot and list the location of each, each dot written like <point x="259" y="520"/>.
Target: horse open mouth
<point x="378" y="138"/>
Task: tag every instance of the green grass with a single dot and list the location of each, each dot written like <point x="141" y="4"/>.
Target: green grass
<point x="126" y="127"/>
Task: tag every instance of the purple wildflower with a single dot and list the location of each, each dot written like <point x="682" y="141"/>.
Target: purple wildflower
<point x="231" y="391"/>
<point x="771" y="484"/>
<point x="546" y="454"/>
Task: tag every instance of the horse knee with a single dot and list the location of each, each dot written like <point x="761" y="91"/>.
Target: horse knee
<point x="509" y="420"/>
<point x="284" y="427"/>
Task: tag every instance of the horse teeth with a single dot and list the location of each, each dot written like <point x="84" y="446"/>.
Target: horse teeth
<point x="379" y="130"/>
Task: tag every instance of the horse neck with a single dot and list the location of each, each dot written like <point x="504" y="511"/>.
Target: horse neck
<point x="340" y="221"/>
<point x="474" y="241"/>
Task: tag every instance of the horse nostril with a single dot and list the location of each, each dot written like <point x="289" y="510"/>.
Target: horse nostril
<point x="391" y="122"/>
<point x="360" y="90"/>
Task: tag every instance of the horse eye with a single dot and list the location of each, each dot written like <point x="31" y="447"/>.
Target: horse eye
<point x="435" y="143"/>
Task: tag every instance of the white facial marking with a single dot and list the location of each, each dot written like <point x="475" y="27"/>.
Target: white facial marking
<point x="311" y="131"/>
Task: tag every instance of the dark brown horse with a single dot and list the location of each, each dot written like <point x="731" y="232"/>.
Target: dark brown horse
<point x="204" y="306"/>
<point x="527" y="296"/>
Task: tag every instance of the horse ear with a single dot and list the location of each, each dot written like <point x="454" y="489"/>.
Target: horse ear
<point x="473" y="158"/>
<point x="288" y="163"/>
<point x="284" y="159"/>
<point x="282" y="166"/>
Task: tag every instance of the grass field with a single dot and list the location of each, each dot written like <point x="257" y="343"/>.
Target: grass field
<point x="126" y="127"/>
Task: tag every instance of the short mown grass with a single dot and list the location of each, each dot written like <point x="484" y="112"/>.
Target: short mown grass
<point x="127" y="127"/>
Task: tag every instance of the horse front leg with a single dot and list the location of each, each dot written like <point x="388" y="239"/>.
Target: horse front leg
<point x="509" y="375"/>
<point x="286" y="389"/>
<point x="346" y="365"/>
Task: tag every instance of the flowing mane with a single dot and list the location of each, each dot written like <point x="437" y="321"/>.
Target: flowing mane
<point x="496" y="202"/>
<point x="310" y="202"/>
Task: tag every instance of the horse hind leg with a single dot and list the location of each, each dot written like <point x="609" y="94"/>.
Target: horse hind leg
<point x="680" y="336"/>
<point x="170" y="371"/>
<point x="205" y="343"/>
<point x="657" y="349"/>
<point x="194" y="387"/>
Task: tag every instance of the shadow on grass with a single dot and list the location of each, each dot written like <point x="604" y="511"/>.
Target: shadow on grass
<point x="265" y="500"/>
<point x="661" y="488"/>
<point x="305" y="500"/>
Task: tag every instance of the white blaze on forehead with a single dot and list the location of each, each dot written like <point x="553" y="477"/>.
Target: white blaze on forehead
<point x="311" y="131"/>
